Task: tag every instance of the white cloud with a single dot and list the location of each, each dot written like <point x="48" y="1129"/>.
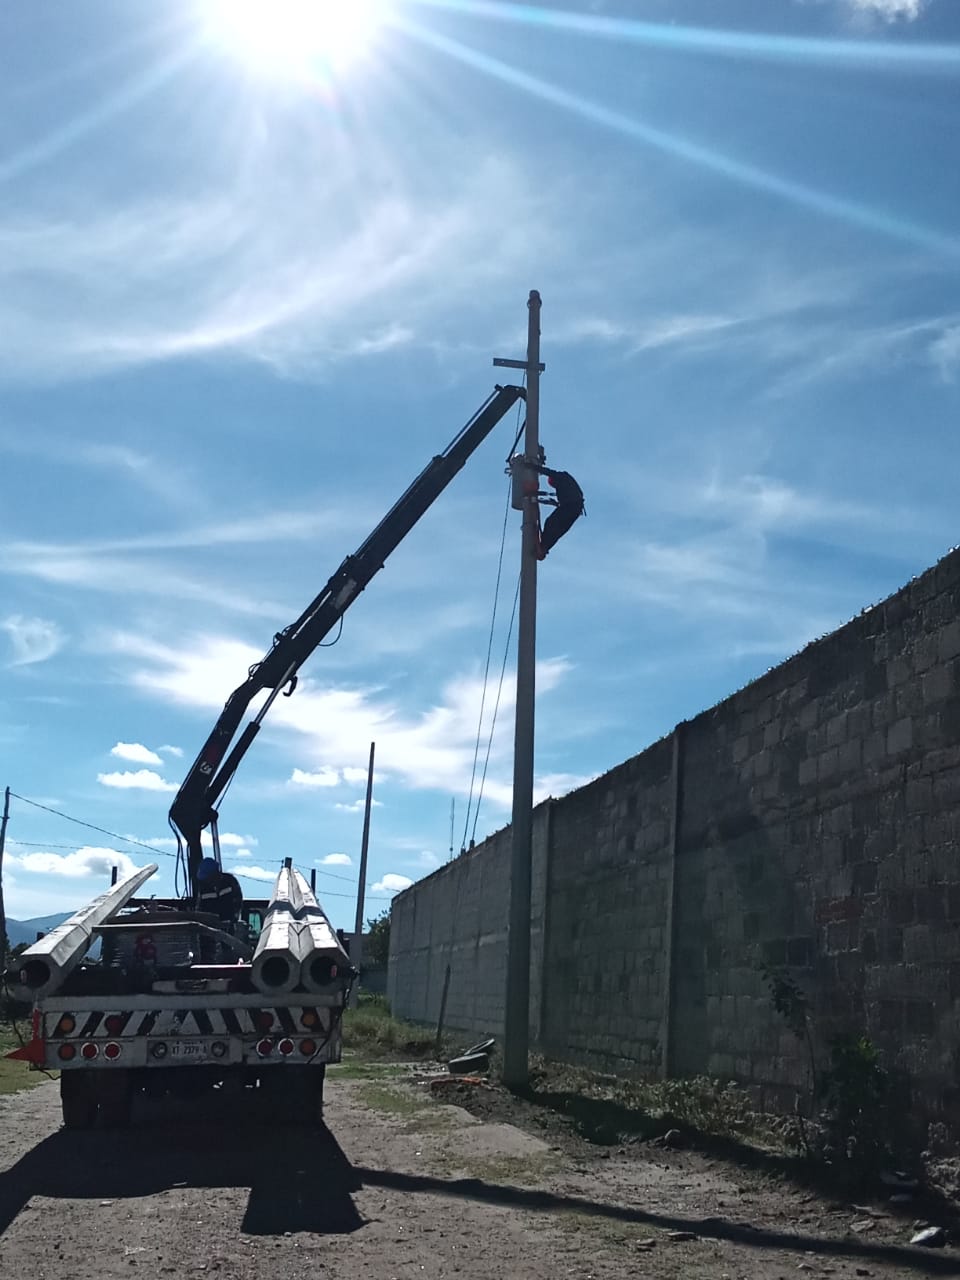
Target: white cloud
<point x="358" y="806"/>
<point x="136" y="752"/>
<point x="255" y="873"/>
<point x="890" y="10"/>
<point x="230" y="839"/>
<point x="431" y="749"/>
<point x="427" y="860"/>
<point x="391" y="883"/>
<point x="31" y="639"/>
<point x="335" y="860"/>
<point x="322" y="778"/>
<point x="171" y="751"/>
<point x="354" y="775"/>
<point x="559" y="784"/>
<point x="85" y="862"/>
<point x="141" y="780"/>
<point x="240" y="853"/>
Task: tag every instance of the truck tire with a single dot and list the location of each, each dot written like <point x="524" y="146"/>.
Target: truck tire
<point x="295" y="1094"/>
<point x="116" y="1099"/>
<point x="78" y="1100"/>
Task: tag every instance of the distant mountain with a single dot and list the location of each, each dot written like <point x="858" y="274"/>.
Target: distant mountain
<point x="26" y="930"/>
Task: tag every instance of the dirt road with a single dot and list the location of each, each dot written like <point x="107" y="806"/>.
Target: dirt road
<point x="402" y="1186"/>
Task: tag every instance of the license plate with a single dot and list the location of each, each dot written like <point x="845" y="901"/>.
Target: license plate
<point x="185" y="1049"/>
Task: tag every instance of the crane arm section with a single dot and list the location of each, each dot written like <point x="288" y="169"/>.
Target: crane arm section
<point x="195" y="805"/>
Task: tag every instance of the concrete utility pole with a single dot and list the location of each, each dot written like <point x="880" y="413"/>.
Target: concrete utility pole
<point x="3" y="915"/>
<point x="356" y="951"/>
<point x="517" y="1013"/>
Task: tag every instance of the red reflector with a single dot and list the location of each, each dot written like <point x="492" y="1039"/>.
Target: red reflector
<point x="264" y="1020"/>
<point x="308" y="1048"/>
<point x="285" y="1047"/>
<point x="89" y="1050"/>
<point x="111" y="1051"/>
<point x="114" y="1024"/>
<point x="66" y="1052"/>
<point x="265" y="1048"/>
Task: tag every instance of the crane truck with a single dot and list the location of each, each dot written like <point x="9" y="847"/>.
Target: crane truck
<point x="186" y="995"/>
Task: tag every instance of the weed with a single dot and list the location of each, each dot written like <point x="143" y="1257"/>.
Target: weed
<point x="371" y="1030"/>
<point x="855" y="1098"/>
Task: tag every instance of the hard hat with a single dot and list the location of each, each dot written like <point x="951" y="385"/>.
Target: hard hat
<point x="207" y="869"/>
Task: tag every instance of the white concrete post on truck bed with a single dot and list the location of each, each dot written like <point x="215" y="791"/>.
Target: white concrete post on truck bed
<point x="45" y="966"/>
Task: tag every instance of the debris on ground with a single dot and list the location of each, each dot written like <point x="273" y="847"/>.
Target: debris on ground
<point x="930" y="1238"/>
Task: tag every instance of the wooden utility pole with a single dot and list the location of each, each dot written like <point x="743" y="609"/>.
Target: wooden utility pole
<point x="3" y="914"/>
<point x="516" y="1030"/>
<point x="356" y="951"/>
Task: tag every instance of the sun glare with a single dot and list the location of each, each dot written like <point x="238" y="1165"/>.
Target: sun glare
<point x="287" y="38"/>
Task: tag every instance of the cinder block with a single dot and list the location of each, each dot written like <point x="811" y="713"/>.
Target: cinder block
<point x="900" y="737"/>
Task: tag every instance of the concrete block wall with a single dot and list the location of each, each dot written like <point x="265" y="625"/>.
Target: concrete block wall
<point x="607" y="875"/>
<point x="458" y="917"/>
<point x="813" y="824"/>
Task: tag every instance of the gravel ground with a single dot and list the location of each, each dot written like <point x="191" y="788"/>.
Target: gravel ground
<point x="401" y="1185"/>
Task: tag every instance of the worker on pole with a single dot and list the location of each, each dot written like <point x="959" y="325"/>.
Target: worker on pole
<point x="568" y="505"/>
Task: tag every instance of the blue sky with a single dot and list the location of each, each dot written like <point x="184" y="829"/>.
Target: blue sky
<point x="252" y="279"/>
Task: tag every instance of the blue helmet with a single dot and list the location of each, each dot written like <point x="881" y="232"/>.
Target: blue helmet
<point x="207" y="869"/>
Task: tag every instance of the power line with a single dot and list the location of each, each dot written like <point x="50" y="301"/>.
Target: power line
<point x="164" y="853"/>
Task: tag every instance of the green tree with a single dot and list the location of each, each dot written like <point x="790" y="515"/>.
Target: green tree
<point x="376" y="943"/>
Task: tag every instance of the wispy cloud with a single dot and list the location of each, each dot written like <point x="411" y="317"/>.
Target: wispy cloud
<point x="336" y="860"/>
<point x="275" y="272"/>
<point x="136" y="752"/>
<point x="31" y="639"/>
<point x="945" y="353"/>
<point x="172" y="751"/>
<point x="138" y="780"/>
<point x="116" y="575"/>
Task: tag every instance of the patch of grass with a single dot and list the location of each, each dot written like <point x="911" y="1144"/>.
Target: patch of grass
<point x="395" y="1102"/>
<point x="372" y="1031"/>
<point x="608" y="1110"/>
<point x="520" y="1171"/>
<point x="357" y="1069"/>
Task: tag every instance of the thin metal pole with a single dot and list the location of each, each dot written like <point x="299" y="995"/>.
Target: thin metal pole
<point x="516" y="1031"/>
<point x="3" y="916"/>
<point x="356" y="950"/>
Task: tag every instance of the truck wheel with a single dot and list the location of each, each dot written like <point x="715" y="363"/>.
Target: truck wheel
<point x="116" y="1099"/>
<point x="295" y="1093"/>
<point x="78" y="1102"/>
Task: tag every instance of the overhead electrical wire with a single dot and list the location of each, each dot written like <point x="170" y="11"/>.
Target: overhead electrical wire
<point x="163" y="853"/>
<point x="493" y="622"/>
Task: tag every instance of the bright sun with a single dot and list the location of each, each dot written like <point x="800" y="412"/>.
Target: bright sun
<point x="288" y="38"/>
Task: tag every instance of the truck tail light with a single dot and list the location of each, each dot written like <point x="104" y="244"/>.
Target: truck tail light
<point x="66" y="1024"/>
<point x="286" y="1047"/>
<point x="89" y="1051"/>
<point x="66" y="1053"/>
<point x="308" y="1048"/>
<point x="265" y="1048"/>
<point x="114" y="1024"/>
<point x="112" y="1051"/>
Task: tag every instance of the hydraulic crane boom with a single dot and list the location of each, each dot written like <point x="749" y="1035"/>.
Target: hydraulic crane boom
<point x="195" y="806"/>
